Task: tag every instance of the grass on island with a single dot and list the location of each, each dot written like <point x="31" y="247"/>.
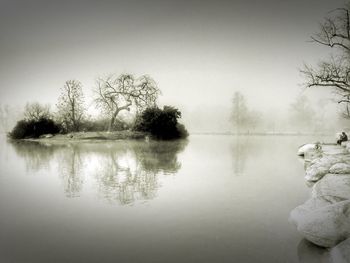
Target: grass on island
<point x="90" y="136"/>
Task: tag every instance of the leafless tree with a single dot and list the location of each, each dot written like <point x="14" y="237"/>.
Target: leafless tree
<point x="71" y="105"/>
<point x="36" y="111"/>
<point x="301" y="114"/>
<point x="4" y="117"/>
<point x="335" y="72"/>
<point x="115" y="94"/>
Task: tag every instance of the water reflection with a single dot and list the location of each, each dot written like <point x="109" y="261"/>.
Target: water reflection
<point x="130" y="173"/>
<point x="70" y="167"/>
<point x="122" y="171"/>
<point x="241" y="149"/>
<point x="36" y="155"/>
<point x="308" y="252"/>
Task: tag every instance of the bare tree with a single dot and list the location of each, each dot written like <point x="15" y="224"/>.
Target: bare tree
<point x="71" y="105"/>
<point x="239" y="116"/>
<point x="4" y="117"/>
<point x="36" y="111"/>
<point x="335" y="72"/>
<point x="116" y="94"/>
<point x="301" y="114"/>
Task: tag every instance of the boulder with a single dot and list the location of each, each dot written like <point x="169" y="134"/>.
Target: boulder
<point x="307" y="148"/>
<point x="334" y="187"/>
<point x="331" y="149"/>
<point x="347" y="145"/>
<point x="341" y="252"/>
<point x="340" y="168"/>
<point x="321" y="166"/>
<point x="46" y="136"/>
<point x="300" y="212"/>
<point x="323" y="224"/>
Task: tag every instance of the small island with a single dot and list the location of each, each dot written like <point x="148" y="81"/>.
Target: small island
<point x="137" y="96"/>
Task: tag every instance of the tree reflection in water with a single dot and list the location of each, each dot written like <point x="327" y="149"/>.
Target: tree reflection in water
<point x="240" y="149"/>
<point x="37" y="156"/>
<point x="71" y="170"/>
<point x="122" y="171"/>
<point x="129" y="173"/>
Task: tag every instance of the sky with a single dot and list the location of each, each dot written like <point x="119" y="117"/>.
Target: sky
<point x="199" y="52"/>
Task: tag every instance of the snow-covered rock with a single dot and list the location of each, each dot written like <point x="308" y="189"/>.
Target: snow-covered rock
<point x="334" y="149"/>
<point x="334" y="187"/>
<point x="300" y="212"/>
<point x="323" y="224"/>
<point x="321" y="166"/>
<point x="347" y="145"/>
<point x="307" y="148"/>
<point x="340" y="168"/>
<point x="341" y="252"/>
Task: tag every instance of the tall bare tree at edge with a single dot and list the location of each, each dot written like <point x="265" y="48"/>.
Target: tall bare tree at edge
<point x="333" y="73"/>
<point x="71" y="105"/>
<point x="116" y="94"/>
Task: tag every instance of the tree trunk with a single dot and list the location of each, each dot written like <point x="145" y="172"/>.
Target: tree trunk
<point x="112" y="120"/>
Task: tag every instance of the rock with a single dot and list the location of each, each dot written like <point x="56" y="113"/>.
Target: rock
<point x="322" y="224"/>
<point x="46" y="136"/>
<point x="309" y="206"/>
<point x="333" y="149"/>
<point x="333" y="187"/>
<point x="320" y="166"/>
<point x="341" y="252"/>
<point x="347" y="145"/>
<point x="307" y="148"/>
<point x="340" y="168"/>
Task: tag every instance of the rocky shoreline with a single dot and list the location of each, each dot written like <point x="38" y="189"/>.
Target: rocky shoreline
<point x="324" y="219"/>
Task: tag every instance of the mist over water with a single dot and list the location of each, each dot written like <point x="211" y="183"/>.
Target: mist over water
<point x="211" y="198"/>
<point x="231" y="69"/>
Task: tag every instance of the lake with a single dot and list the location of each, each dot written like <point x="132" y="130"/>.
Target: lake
<point x="212" y="198"/>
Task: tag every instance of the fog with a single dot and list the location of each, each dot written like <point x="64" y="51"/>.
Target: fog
<point x="199" y="53"/>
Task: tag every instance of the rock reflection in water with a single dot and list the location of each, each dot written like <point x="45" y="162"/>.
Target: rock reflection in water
<point x="122" y="171"/>
<point x="309" y="253"/>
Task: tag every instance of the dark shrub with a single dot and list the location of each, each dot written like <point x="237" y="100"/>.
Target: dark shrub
<point x="34" y="128"/>
<point x="161" y="123"/>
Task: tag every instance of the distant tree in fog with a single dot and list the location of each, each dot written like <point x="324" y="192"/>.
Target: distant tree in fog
<point x="302" y="115"/>
<point x="36" y="111"/>
<point x="4" y="118"/>
<point x="333" y="73"/>
<point x="241" y="117"/>
<point x="71" y="105"/>
<point x="116" y="94"/>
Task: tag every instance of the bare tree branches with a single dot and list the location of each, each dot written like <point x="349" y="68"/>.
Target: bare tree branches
<point x="115" y="94"/>
<point x="335" y="72"/>
<point x="335" y="31"/>
<point x="71" y="105"/>
<point x="36" y="111"/>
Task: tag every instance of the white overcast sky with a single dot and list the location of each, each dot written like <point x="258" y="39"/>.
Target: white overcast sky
<point x="199" y="52"/>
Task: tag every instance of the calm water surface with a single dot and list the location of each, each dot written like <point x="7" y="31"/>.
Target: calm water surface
<point x="208" y="199"/>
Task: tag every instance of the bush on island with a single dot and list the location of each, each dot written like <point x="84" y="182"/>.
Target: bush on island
<point x="161" y="123"/>
<point x="34" y="128"/>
